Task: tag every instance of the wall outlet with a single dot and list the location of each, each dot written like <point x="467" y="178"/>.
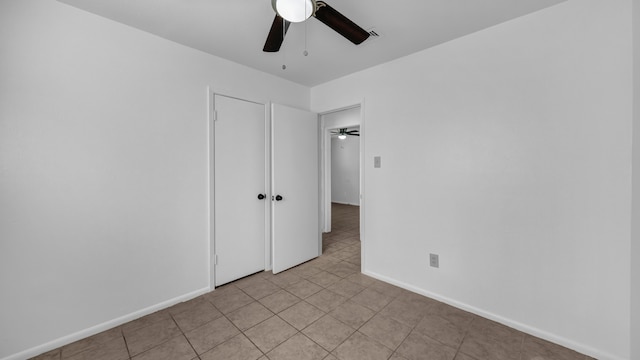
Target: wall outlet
<point x="434" y="260"/>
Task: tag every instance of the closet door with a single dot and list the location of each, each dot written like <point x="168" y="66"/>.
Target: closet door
<point x="239" y="188"/>
<point x="295" y="204"/>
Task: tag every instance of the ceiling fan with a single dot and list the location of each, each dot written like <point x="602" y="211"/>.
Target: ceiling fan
<point x="342" y="133"/>
<point x="288" y="11"/>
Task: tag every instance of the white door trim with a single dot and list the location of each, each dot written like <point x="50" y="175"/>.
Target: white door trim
<point x="325" y="175"/>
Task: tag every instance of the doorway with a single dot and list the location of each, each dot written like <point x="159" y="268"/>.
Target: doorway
<point x="341" y="182"/>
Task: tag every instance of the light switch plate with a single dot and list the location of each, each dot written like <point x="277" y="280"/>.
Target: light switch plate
<point x="376" y="161"/>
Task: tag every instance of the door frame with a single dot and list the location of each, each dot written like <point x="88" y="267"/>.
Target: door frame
<point x="325" y="170"/>
<point x="211" y="93"/>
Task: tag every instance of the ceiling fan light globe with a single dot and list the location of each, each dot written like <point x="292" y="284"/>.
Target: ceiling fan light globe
<point x="294" y="10"/>
<point x="342" y="136"/>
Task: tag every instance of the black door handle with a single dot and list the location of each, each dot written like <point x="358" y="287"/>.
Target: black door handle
<point x="278" y="197"/>
<point x="261" y="196"/>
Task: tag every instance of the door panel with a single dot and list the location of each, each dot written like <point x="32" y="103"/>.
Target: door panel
<point x="295" y="220"/>
<point x="239" y="176"/>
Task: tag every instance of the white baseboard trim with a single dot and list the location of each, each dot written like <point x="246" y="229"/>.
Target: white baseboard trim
<point x="68" y="339"/>
<point x="581" y="348"/>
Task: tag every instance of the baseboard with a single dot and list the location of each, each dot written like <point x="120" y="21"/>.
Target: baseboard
<point x="581" y="348"/>
<point x="65" y="340"/>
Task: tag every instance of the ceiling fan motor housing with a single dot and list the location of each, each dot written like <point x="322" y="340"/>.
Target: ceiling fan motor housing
<point x="287" y="14"/>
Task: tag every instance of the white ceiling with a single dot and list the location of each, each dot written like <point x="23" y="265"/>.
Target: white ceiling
<point x="236" y="29"/>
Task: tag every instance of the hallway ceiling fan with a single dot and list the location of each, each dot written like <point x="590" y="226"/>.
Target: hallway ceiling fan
<point x="342" y="133"/>
<point x="288" y="11"/>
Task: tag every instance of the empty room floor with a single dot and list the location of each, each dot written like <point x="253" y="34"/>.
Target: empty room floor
<point x="322" y="309"/>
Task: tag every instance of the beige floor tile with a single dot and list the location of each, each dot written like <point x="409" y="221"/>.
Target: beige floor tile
<point x="361" y="279"/>
<point x="342" y="254"/>
<point x="397" y="356"/>
<point x="538" y="349"/>
<point x="249" y="281"/>
<point x="177" y="348"/>
<point x="420" y="347"/>
<point x="361" y="347"/>
<point x="352" y="314"/>
<point x="372" y="299"/>
<point x="211" y="334"/>
<point x="285" y="279"/>
<point x="186" y="305"/>
<point x="231" y="300"/>
<point x="270" y="333"/>
<point x="298" y="347"/>
<point x="301" y="315"/>
<point x="462" y="356"/>
<point x="261" y="289"/>
<point x="346" y="288"/>
<point x="441" y="329"/>
<point x="326" y="300"/>
<point x="417" y="301"/>
<point x="304" y="289"/>
<point x="113" y="350"/>
<point x="452" y="314"/>
<point x="403" y="312"/>
<point x="324" y="278"/>
<point x="325" y="262"/>
<point x="386" y="331"/>
<point x="328" y="332"/>
<point x="91" y="342"/>
<point x="355" y="260"/>
<point x="145" y="338"/>
<point x="236" y="348"/>
<point x="344" y="269"/>
<point x="249" y="315"/>
<point x="386" y="289"/>
<point x="306" y="270"/>
<point x="221" y="290"/>
<point x="488" y="340"/>
<point x="279" y="301"/>
<point x="146" y="321"/>
<point x="196" y="316"/>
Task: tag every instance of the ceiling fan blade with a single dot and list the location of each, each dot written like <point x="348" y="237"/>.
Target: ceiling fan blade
<point x="352" y="132"/>
<point x="340" y="23"/>
<point x="276" y="34"/>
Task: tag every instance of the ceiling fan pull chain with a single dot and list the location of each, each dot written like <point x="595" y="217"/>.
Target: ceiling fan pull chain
<point x="284" y="32"/>
<point x="306" y="25"/>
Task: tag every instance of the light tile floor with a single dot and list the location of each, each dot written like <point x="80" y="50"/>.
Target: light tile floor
<point x="323" y="309"/>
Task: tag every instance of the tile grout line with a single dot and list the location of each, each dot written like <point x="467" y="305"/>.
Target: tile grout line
<point x="126" y="344"/>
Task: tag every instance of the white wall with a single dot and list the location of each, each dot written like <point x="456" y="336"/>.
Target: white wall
<point x="345" y="170"/>
<point x="516" y="171"/>
<point x="635" y="220"/>
<point x="103" y="170"/>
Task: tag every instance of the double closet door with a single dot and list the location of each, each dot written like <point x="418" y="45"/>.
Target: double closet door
<point x="265" y="188"/>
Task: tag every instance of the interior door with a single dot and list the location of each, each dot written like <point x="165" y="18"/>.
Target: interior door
<point x="295" y="192"/>
<point x="239" y="181"/>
